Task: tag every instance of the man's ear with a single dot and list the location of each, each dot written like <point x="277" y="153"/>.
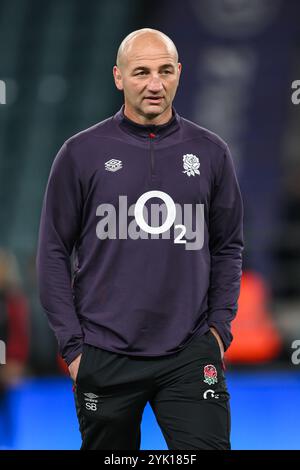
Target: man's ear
<point x="118" y="77"/>
<point x="179" y="68"/>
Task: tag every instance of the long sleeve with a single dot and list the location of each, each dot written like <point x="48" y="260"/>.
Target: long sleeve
<point x="226" y="246"/>
<point x="58" y="231"/>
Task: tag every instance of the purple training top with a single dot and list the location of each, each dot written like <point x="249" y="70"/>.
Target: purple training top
<point x="104" y="278"/>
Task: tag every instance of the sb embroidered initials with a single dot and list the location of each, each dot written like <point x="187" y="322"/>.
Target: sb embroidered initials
<point x="91" y="401"/>
<point x="91" y="406"/>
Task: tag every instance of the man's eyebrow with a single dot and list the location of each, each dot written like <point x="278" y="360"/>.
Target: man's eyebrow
<point x="141" y="67"/>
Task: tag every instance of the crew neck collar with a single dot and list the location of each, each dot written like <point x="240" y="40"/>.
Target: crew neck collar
<point x="147" y="130"/>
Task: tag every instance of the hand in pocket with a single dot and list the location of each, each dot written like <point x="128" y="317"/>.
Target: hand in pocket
<point x="74" y="367"/>
<point x="220" y="342"/>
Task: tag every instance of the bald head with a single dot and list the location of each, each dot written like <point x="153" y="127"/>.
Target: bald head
<point x="148" y="72"/>
<point x="140" y="40"/>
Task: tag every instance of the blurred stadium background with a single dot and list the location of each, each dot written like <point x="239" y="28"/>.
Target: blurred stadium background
<point x="239" y="61"/>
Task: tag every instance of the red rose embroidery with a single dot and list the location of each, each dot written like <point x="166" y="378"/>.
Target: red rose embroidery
<point x="210" y="374"/>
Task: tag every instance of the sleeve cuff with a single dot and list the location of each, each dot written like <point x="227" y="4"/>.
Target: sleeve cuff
<point x="71" y="355"/>
<point x="224" y="331"/>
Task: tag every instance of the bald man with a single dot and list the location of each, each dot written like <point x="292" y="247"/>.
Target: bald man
<point x="149" y="206"/>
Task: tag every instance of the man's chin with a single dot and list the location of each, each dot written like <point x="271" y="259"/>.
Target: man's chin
<point x="152" y="110"/>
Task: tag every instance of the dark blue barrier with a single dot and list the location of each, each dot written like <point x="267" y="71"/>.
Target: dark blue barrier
<point x="40" y="414"/>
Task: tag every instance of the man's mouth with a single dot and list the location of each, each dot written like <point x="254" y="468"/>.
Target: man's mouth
<point x="154" y="99"/>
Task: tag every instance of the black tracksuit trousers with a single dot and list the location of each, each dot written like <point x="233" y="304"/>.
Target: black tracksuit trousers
<point x="186" y="390"/>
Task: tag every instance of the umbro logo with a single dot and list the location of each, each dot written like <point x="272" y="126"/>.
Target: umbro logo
<point x="113" y="165"/>
<point x="91" y="395"/>
<point x="91" y="401"/>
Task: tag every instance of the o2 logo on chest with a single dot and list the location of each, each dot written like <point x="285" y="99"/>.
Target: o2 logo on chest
<point x="117" y="225"/>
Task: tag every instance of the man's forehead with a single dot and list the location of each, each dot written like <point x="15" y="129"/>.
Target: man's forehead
<point x="151" y="48"/>
<point x="151" y="59"/>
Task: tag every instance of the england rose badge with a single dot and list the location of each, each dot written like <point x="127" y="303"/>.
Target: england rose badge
<point x="210" y="374"/>
<point x="191" y="164"/>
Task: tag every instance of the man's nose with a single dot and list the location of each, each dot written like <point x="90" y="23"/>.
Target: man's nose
<point x="155" y="84"/>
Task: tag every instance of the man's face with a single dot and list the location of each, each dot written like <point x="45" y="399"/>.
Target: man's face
<point x="149" y="77"/>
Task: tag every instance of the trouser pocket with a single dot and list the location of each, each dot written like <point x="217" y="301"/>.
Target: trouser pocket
<point x="110" y="398"/>
<point x="81" y="367"/>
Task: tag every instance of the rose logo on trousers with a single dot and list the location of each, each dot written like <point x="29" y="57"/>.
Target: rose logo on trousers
<point x="210" y="374"/>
